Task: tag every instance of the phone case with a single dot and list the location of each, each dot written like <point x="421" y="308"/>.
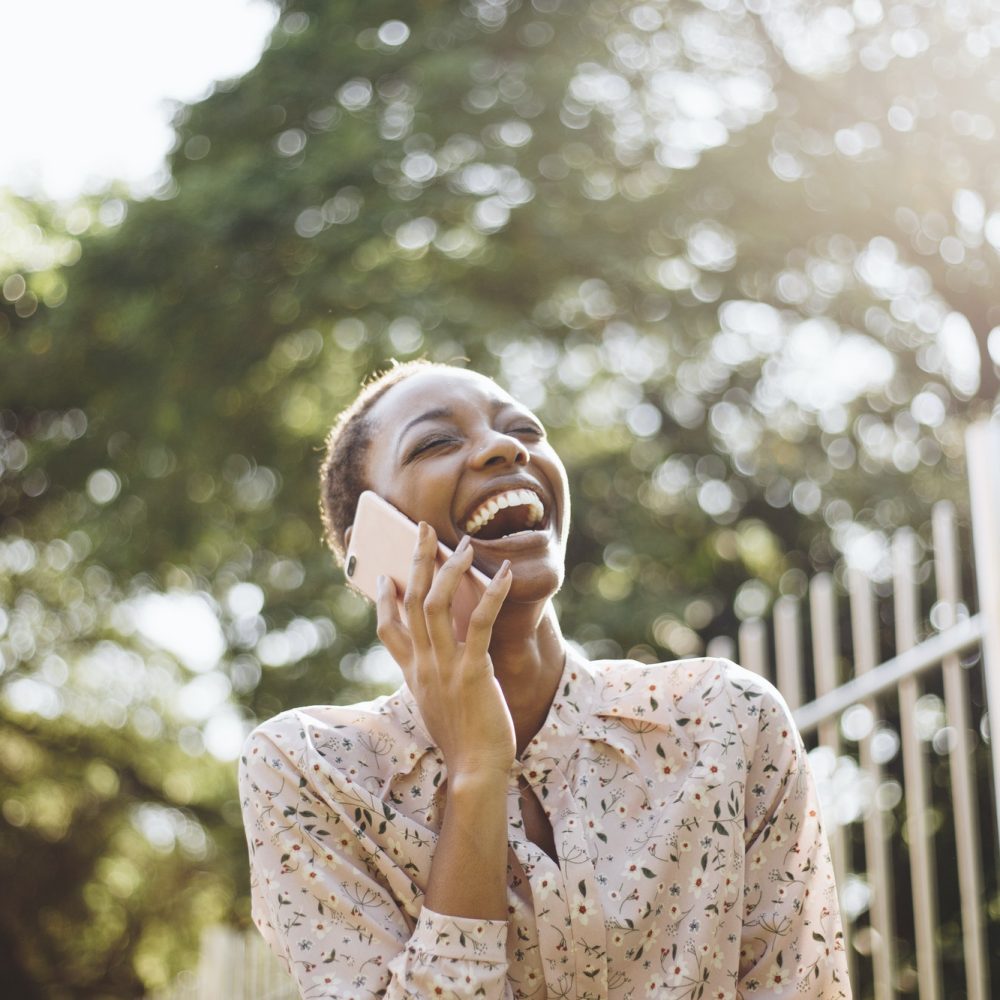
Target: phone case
<point x="382" y="543"/>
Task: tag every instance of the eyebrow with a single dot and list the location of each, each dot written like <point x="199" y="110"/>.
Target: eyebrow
<point x="444" y="412"/>
<point x="440" y="412"/>
<point x="436" y="414"/>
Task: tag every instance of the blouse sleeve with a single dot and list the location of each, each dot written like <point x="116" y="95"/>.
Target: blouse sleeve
<point x="320" y="903"/>
<point x="792" y="936"/>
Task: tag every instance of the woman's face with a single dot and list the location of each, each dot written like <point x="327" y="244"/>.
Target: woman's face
<point x="453" y="449"/>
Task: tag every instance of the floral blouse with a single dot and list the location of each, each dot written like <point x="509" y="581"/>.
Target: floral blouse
<point x="691" y="861"/>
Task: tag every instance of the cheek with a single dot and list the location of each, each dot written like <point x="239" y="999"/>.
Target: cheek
<point x="556" y="474"/>
<point x="422" y="498"/>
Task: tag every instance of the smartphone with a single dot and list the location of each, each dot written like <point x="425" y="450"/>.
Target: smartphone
<point x="383" y="540"/>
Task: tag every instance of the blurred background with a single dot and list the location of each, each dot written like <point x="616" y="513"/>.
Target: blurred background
<point x="740" y="256"/>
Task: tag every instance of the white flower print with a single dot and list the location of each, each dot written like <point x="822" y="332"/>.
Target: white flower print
<point x="631" y="764"/>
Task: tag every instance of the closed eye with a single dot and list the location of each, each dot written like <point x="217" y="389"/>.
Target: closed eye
<point x="427" y="444"/>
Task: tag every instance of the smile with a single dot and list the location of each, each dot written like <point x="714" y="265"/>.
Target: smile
<point x="505" y="513"/>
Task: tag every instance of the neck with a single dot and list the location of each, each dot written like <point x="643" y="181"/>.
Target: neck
<point x="528" y="663"/>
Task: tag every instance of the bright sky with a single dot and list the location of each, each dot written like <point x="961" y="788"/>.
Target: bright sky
<point x="87" y="83"/>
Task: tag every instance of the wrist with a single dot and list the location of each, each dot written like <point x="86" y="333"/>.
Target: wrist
<point x="478" y="783"/>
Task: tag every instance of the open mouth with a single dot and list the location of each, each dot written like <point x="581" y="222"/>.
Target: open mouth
<point x="506" y="514"/>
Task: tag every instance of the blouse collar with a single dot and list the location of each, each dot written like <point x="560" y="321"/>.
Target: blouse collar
<point x="599" y="700"/>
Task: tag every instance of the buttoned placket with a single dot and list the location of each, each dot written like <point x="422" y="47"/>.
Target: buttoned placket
<point x="569" y="918"/>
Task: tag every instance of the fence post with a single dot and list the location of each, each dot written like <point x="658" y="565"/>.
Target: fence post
<point x="983" y="457"/>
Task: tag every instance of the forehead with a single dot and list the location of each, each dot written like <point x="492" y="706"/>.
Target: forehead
<point x="437" y="390"/>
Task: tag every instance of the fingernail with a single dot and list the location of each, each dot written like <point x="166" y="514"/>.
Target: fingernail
<point x="422" y="529"/>
<point x="463" y="544"/>
<point x="504" y="567"/>
<point x="380" y="584"/>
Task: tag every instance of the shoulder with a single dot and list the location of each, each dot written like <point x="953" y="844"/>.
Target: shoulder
<point x="363" y="738"/>
<point x="694" y="695"/>
<point x="689" y="682"/>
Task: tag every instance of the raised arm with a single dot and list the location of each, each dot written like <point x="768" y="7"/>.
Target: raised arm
<point x="348" y="921"/>
<point x="467" y="717"/>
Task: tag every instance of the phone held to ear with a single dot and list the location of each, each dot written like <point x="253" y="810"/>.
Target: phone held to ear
<point x="382" y="543"/>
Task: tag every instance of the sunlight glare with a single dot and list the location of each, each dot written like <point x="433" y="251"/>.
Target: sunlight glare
<point x="94" y="82"/>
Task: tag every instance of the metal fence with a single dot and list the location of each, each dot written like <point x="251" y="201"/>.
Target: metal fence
<point x="868" y="716"/>
<point x="233" y="965"/>
<point x="937" y="644"/>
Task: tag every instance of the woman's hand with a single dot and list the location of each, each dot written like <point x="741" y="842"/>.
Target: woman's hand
<point x="453" y="682"/>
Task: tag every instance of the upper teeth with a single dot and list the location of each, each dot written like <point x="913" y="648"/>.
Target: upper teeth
<point x="512" y="498"/>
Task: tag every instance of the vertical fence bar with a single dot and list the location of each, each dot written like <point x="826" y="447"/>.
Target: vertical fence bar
<point x="983" y="458"/>
<point x="241" y="967"/>
<point x="214" y="964"/>
<point x="788" y="649"/>
<point x="878" y="860"/>
<point x="721" y="646"/>
<point x="250" y="987"/>
<point x="966" y="812"/>
<point x="826" y="652"/>
<point x="753" y="646"/>
<point x="922" y="875"/>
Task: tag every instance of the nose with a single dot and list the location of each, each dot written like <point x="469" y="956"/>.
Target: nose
<point x="500" y="449"/>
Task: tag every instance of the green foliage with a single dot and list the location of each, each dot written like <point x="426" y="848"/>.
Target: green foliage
<point x="732" y="254"/>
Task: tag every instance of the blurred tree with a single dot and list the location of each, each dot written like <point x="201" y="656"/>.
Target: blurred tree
<point x="737" y="255"/>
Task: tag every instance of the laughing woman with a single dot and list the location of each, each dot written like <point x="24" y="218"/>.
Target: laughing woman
<point x="517" y="821"/>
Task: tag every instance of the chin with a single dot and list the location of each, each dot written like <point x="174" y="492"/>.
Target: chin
<point x="535" y="584"/>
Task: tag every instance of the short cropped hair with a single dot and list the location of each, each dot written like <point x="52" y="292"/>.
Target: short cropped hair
<point x="341" y="474"/>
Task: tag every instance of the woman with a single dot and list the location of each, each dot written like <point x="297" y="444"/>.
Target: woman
<point x="516" y="821"/>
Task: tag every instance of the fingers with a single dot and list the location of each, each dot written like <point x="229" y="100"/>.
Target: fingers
<point x="437" y="606"/>
<point x="419" y="583"/>
<point x="391" y="631"/>
<point x="477" y="639"/>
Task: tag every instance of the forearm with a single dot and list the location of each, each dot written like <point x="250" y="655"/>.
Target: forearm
<point x="468" y="875"/>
